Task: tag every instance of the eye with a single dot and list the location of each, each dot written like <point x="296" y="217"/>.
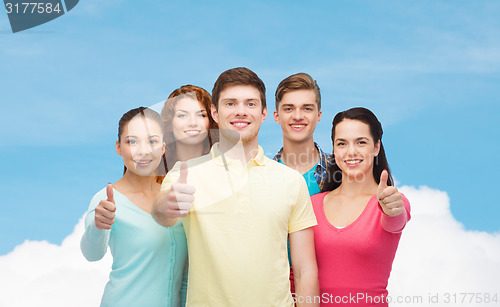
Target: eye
<point x="251" y="104"/>
<point x="308" y="109"/>
<point x="362" y="142"/>
<point x="340" y="144"/>
<point x="287" y="109"/>
<point x="181" y="115"/>
<point x="132" y="142"/>
<point x="153" y="142"/>
<point x="230" y="104"/>
<point x="202" y="115"/>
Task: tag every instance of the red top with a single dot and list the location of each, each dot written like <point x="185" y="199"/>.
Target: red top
<point x="354" y="262"/>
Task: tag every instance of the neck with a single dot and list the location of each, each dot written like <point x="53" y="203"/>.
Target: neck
<point x="134" y="183"/>
<point x="243" y="151"/>
<point x="354" y="187"/>
<point x="184" y="152"/>
<point x="299" y="156"/>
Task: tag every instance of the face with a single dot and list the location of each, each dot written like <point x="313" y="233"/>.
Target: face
<point x="141" y="146"/>
<point x="354" y="149"/>
<point x="240" y="110"/>
<point x="298" y="115"/>
<point x="190" y="122"/>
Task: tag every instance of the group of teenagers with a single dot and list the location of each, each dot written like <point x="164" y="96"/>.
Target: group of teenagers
<point x="202" y="217"/>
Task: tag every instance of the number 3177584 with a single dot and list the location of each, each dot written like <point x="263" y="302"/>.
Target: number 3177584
<point x="32" y="8"/>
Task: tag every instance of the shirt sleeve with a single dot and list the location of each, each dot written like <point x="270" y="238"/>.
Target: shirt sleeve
<point x="396" y="224"/>
<point x="302" y="216"/>
<point x="94" y="242"/>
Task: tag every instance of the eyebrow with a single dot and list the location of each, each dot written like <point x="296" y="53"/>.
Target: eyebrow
<point x="134" y="136"/>
<point x="236" y="100"/>
<point x="188" y="111"/>
<point x="304" y="105"/>
<point x="357" y="139"/>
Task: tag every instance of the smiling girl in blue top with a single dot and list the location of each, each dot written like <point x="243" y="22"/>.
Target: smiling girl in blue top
<point x="149" y="260"/>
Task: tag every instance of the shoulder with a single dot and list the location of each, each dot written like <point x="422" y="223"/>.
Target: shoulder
<point x="279" y="167"/>
<point x="317" y="199"/>
<point x="283" y="172"/>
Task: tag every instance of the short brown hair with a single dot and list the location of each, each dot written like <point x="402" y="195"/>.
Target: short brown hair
<point x="300" y="81"/>
<point x="238" y="76"/>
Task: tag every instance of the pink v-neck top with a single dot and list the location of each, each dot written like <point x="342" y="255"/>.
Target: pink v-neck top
<point x="354" y="262"/>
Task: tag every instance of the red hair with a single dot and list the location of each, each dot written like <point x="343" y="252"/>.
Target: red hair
<point x="167" y="114"/>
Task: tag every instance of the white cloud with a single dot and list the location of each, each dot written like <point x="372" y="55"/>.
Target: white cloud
<point x="43" y="274"/>
<point x="436" y="256"/>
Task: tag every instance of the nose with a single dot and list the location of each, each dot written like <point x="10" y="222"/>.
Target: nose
<point x="192" y="121"/>
<point x="143" y="148"/>
<point x="297" y="114"/>
<point x="352" y="150"/>
<point x="241" y="110"/>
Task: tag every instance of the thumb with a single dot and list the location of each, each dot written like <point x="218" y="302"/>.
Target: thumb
<point x="383" y="182"/>
<point x="109" y="193"/>
<point x="184" y="173"/>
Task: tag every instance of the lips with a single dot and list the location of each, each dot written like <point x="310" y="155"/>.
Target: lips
<point x="192" y="132"/>
<point x="353" y="162"/>
<point x="298" y="126"/>
<point x="143" y="163"/>
<point x="240" y="124"/>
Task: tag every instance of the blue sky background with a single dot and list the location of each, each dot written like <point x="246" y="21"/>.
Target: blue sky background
<point x="430" y="70"/>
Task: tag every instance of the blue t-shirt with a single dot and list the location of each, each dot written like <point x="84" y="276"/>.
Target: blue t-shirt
<point x="312" y="184"/>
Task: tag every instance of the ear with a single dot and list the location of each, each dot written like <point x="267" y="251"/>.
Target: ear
<point x="377" y="148"/>
<point x="215" y="114"/>
<point x="264" y="114"/>
<point x="276" y="117"/>
<point x="319" y="115"/>
<point x="118" y="148"/>
<point x="163" y="148"/>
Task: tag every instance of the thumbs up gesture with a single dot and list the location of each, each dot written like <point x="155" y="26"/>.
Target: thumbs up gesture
<point x="105" y="210"/>
<point x="389" y="198"/>
<point x="175" y="202"/>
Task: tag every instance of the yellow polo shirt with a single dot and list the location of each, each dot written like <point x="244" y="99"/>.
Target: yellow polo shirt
<point x="237" y="229"/>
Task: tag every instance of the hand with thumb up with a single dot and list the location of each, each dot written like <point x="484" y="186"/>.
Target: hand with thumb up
<point x="389" y="198"/>
<point x="105" y="210"/>
<point x="176" y="202"/>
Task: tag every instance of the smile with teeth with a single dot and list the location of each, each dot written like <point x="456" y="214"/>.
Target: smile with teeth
<point x="192" y="132"/>
<point x="353" y="162"/>
<point x="143" y="162"/>
<point x="240" y="124"/>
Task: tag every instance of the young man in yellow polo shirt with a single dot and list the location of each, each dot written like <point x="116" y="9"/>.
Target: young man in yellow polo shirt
<point x="238" y="207"/>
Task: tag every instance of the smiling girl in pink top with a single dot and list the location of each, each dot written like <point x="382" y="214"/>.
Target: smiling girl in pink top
<point x="360" y="220"/>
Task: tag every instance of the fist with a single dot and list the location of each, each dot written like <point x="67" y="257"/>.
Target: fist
<point x="389" y="198"/>
<point x="178" y="200"/>
<point x="105" y="211"/>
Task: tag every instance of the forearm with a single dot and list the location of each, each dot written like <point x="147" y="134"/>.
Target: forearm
<point x="305" y="269"/>
<point x="94" y="242"/>
<point x="306" y="286"/>
<point x="396" y="224"/>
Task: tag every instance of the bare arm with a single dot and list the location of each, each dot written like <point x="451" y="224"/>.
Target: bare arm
<point x="305" y="270"/>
